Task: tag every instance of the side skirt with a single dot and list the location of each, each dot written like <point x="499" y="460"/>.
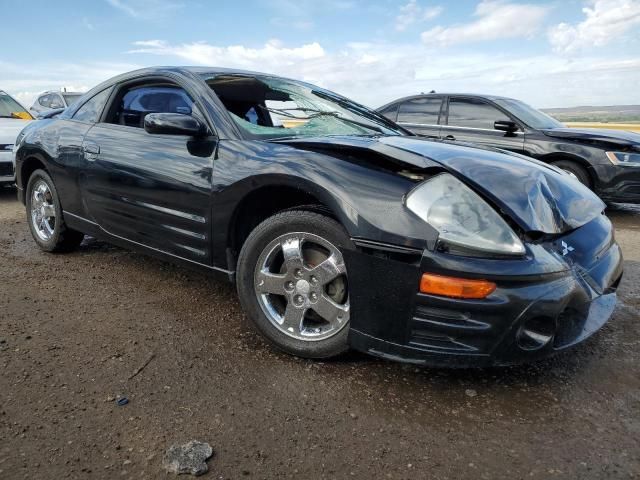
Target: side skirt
<point x="90" y="228"/>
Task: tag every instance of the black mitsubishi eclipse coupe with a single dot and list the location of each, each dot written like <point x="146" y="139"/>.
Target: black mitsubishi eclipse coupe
<point x="339" y="228"/>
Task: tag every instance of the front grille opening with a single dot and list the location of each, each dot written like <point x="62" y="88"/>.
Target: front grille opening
<point x="6" y="169"/>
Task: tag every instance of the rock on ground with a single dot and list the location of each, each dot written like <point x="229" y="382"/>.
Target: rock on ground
<point x="190" y="457"/>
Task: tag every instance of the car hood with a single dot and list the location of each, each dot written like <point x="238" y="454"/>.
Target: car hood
<point x="536" y="196"/>
<point x="10" y="128"/>
<point x="612" y="137"/>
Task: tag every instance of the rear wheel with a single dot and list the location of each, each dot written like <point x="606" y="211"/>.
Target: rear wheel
<point x="292" y="282"/>
<point x="576" y="170"/>
<point x="44" y="216"/>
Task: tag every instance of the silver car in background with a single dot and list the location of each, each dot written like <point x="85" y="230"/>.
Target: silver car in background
<point x="53" y="100"/>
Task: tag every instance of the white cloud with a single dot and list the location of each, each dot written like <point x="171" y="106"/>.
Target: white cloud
<point x="412" y="13"/>
<point x="374" y="73"/>
<point x="26" y="81"/>
<point x="270" y="55"/>
<point x="371" y="73"/>
<point x="606" y="20"/>
<point x="496" y="19"/>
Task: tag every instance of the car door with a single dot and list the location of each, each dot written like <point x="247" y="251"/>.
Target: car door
<point x="70" y="133"/>
<point x="421" y="115"/>
<point x="151" y="189"/>
<point x="472" y="119"/>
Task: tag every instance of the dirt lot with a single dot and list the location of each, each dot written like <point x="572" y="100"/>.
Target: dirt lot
<point x="73" y="328"/>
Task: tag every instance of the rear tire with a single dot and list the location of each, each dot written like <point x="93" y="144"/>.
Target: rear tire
<point x="576" y="169"/>
<point x="44" y="216"/>
<point x="299" y="307"/>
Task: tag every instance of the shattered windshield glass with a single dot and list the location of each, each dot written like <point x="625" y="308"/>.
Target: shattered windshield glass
<point x="271" y="107"/>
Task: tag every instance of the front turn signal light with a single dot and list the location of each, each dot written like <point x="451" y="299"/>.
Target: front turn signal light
<point x="455" y="287"/>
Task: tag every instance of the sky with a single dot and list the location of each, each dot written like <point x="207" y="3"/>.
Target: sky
<point x="549" y="53"/>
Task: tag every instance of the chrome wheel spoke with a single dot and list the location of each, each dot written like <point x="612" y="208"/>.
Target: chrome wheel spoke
<point x="49" y="210"/>
<point x="267" y="282"/>
<point x="297" y="298"/>
<point x="330" y="269"/>
<point x="292" y="319"/>
<point x="292" y="251"/>
<point x="43" y="211"/>
<point x="331" y="311"/>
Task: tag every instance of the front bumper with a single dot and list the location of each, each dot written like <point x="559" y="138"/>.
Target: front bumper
<point x="617" y="183"/>
<point x="7" y="168"/>
<point x="391" y="319"/>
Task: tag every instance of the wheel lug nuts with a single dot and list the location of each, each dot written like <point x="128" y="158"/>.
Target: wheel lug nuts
<point x="298" y="273"/>
<point x="289" y="285"/>
<point x="314" y="280"/>
<point x="298" y="299"/>
<point x="314" y="296"/>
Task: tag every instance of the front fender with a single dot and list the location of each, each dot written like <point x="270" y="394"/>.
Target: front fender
<point x="367" y="201"/>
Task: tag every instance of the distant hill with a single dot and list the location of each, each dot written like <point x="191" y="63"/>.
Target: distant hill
<point x="610" y="114"/>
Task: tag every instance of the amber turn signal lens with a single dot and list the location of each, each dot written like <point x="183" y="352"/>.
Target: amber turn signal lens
<point x="455" y="287"/>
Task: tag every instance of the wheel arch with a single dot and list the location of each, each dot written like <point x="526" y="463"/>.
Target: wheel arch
<point x="584" y="164"/>
<point x="29" y="165"/>
<point x="271" y="196"/>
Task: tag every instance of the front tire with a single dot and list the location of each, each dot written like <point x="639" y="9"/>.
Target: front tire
<point x="44" y="215"/>
<point x="292" y="283"/>
<point x="576" y="170"/>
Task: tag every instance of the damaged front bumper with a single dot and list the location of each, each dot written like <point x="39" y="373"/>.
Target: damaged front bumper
<point x="618" y="183"/>
<point x="559" y="296"/>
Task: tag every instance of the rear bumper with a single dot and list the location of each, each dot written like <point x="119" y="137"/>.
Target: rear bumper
<point x="396" y="322"/>
<point x="618" y="183"/>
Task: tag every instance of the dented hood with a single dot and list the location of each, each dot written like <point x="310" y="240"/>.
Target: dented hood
<point x="536" y="196"/>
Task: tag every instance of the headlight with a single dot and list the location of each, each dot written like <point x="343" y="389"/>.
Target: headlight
<point x="461" y="217"/>
<point x="628" y="159"/>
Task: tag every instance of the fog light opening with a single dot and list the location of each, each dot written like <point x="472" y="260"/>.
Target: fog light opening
<point x="536" y="333"/>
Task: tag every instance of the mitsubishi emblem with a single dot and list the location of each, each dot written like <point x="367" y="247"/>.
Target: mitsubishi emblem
<point x="566" y="248"/>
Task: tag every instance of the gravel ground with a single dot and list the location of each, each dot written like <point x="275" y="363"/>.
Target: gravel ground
<point x="75" y="327"/>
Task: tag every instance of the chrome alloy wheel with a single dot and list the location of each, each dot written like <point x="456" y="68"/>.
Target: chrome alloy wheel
<point x="300" y="282"/>
<point x="43" y="211"/>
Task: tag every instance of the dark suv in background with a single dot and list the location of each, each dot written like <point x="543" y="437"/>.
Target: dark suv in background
<point x="607" y="161"/>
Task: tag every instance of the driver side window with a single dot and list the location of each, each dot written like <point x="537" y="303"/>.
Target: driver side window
<point x="133" y="104"/>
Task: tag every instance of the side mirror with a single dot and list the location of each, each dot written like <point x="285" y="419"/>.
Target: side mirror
<point x="505" y="126"/>
<point x="174" y="124"/>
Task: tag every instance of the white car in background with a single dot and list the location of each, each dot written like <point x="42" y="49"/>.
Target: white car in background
<point x="13" y="118"/>
<point x="53" y="100"/>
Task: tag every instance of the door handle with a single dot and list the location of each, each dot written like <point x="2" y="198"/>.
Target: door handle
<point x="91" y="151"/>
<point x="449" y="137"/>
